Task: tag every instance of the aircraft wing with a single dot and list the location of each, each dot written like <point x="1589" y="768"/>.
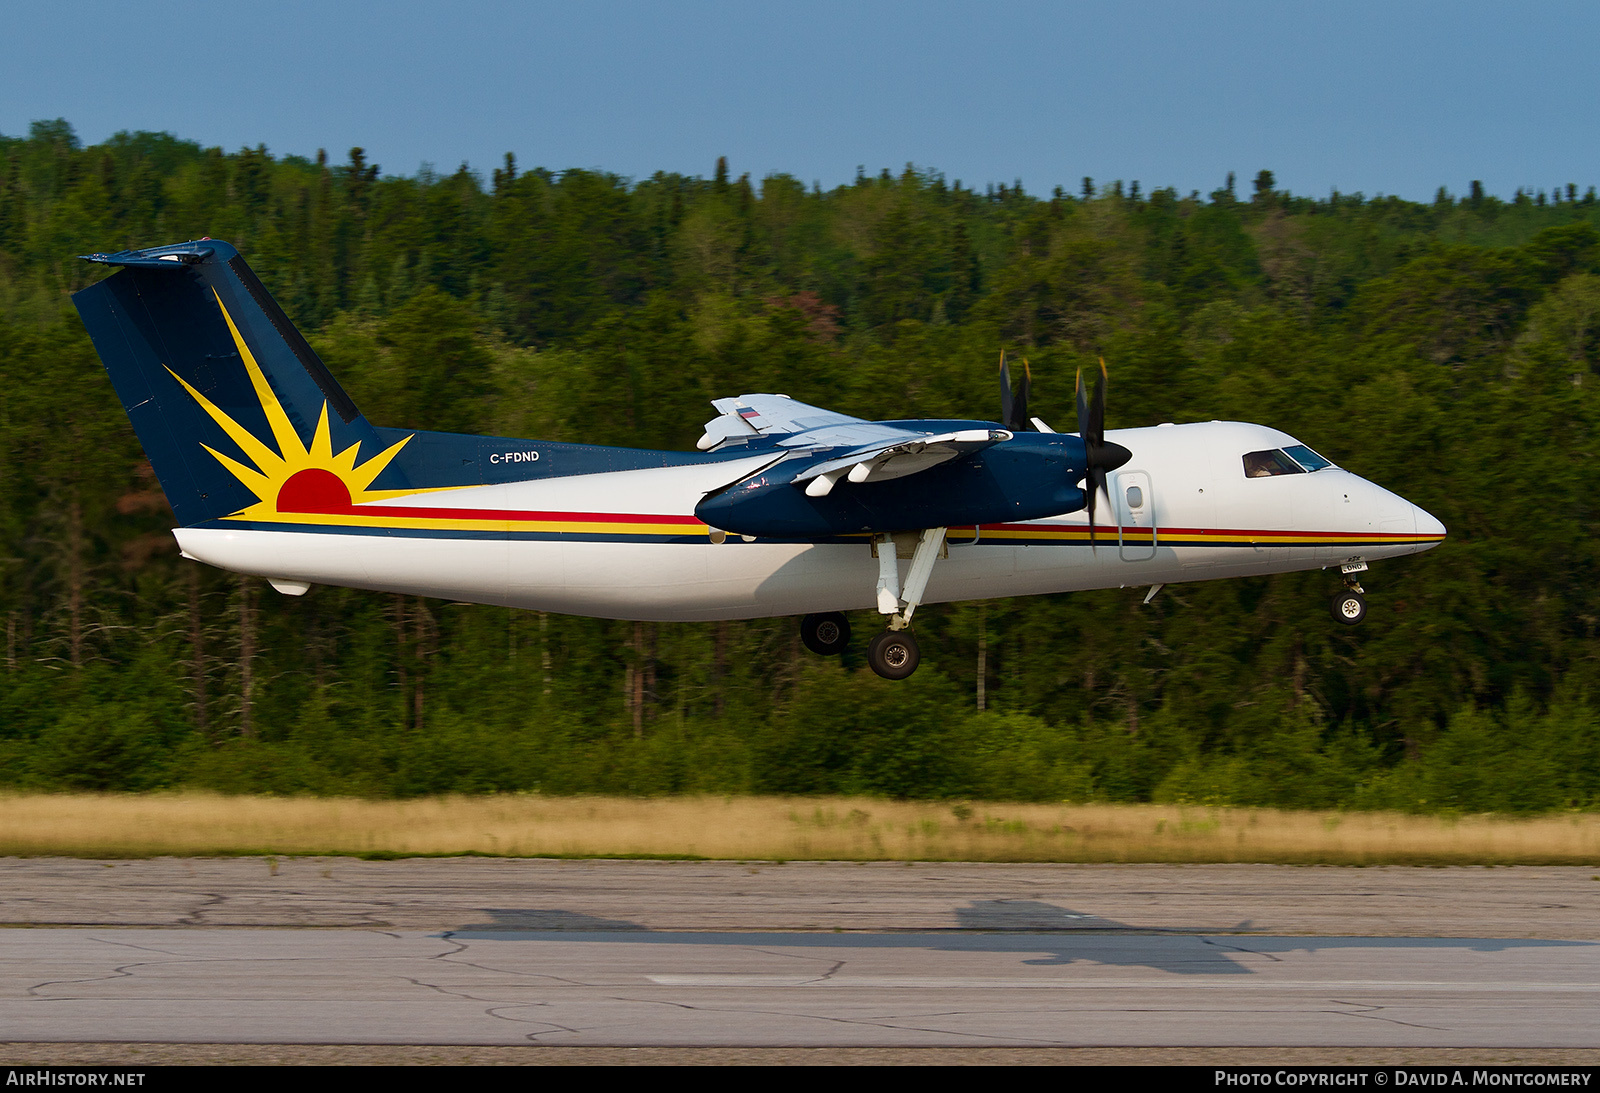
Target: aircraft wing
<point x="831" y="474"/>
<point x="871" y="450"/>
<point x="905" y="452"/>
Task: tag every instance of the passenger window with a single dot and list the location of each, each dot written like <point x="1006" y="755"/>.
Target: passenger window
<point x="1269" y="464"/>
<point x="1135" y="497"/>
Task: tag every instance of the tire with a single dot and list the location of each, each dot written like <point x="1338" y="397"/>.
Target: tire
<point x="893" y="654"/>
<point x="826" y="635"/>
<point x="1349" y="608"/>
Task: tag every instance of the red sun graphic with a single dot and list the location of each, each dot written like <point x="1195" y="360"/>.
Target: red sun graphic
<point x="314" y="490"/>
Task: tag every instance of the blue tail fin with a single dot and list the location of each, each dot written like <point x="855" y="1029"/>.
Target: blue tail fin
<point x="215" y="378"/>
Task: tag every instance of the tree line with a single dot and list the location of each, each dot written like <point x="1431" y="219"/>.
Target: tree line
<point x="1445" y="349"/>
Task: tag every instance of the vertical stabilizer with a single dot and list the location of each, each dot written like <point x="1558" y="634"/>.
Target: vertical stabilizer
<point x="223" y="391"/>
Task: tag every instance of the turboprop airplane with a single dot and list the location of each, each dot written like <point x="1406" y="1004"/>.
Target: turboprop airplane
<point x="786" y="509"/>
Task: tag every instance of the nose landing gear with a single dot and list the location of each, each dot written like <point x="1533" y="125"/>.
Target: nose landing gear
<point x="1350" y="605"/>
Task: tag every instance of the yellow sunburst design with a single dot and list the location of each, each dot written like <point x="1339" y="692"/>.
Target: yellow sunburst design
<point x="273" y="469"/>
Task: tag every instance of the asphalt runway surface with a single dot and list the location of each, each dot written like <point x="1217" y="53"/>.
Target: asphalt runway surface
<point x="543" y="961"/>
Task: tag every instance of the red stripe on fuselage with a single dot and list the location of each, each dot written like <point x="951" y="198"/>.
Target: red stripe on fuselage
<point x="1236" y="532"/>
<point x="404" y="512"/>
<point x="1224" y="533"/>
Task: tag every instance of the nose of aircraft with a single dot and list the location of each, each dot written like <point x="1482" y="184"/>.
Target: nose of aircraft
<point x="1427" y="523"/>
<point x="1386" y="511"/>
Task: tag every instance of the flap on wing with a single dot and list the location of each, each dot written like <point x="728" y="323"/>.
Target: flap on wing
<point x="897" y="458"/>
<point x="727" y="427"/>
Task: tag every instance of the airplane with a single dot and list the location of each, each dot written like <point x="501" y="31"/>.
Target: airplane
<point x="784" y="509"/>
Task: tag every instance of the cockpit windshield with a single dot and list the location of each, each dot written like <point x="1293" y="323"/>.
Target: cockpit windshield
<point x="1307" y="458"/>
<point x="1270" y="464"/>
<point x="1293" y="459"/>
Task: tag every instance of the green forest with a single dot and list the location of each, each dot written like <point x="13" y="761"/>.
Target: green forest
<point x="1446" y="350"/>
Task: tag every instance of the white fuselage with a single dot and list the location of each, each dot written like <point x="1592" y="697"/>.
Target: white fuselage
<point x="1197" y="517"/>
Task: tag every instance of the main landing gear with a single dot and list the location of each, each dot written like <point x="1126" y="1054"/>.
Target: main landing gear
<point x="893" y="654"/>
<point x="1350" y="605"/>
<point x="825" y="635"/>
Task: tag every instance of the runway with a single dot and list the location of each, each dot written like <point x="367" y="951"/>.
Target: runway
<point x="631" y="988"/>
<point x="702" y="955"/>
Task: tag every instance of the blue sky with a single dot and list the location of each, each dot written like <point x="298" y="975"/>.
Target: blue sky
<point x="1397" y="97"/>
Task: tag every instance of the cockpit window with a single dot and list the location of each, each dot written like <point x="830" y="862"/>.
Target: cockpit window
<point x="1307" y="458"/>
<point x="1267" y="464"/>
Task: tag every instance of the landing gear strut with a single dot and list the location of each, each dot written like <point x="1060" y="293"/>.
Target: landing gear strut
<point x="893" y="654"/>
<point x="825" y="635"/>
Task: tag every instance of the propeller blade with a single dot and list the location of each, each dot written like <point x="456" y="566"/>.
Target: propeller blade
<point x="1083" y="409"/>
<point x="1097" y="409"/>
<point x="1099" y="455"/>
<point x="1005" y="392"/>
<point x="1094" y="496"/>
<point x="1014" y="405"/>
<point x="1097" y="483"/>
<point x="1020" y="409"/>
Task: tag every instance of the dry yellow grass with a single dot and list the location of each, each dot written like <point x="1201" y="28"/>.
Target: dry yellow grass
<point x="851" y="829"/>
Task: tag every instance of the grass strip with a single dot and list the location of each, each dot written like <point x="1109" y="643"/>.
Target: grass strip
<point x="772" y="828"/>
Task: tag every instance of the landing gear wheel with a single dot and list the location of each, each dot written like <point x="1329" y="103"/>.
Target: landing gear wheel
<point x="825" y="635"/>
<point x="893" y="654"/>
<point x="1349" y="607"/>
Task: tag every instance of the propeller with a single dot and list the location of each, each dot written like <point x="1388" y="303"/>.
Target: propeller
<point x="1014" y="410"/>
<point x="1100" y="455"/>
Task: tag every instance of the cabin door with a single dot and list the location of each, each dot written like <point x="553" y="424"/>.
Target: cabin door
<point x="1135" y="507"/>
